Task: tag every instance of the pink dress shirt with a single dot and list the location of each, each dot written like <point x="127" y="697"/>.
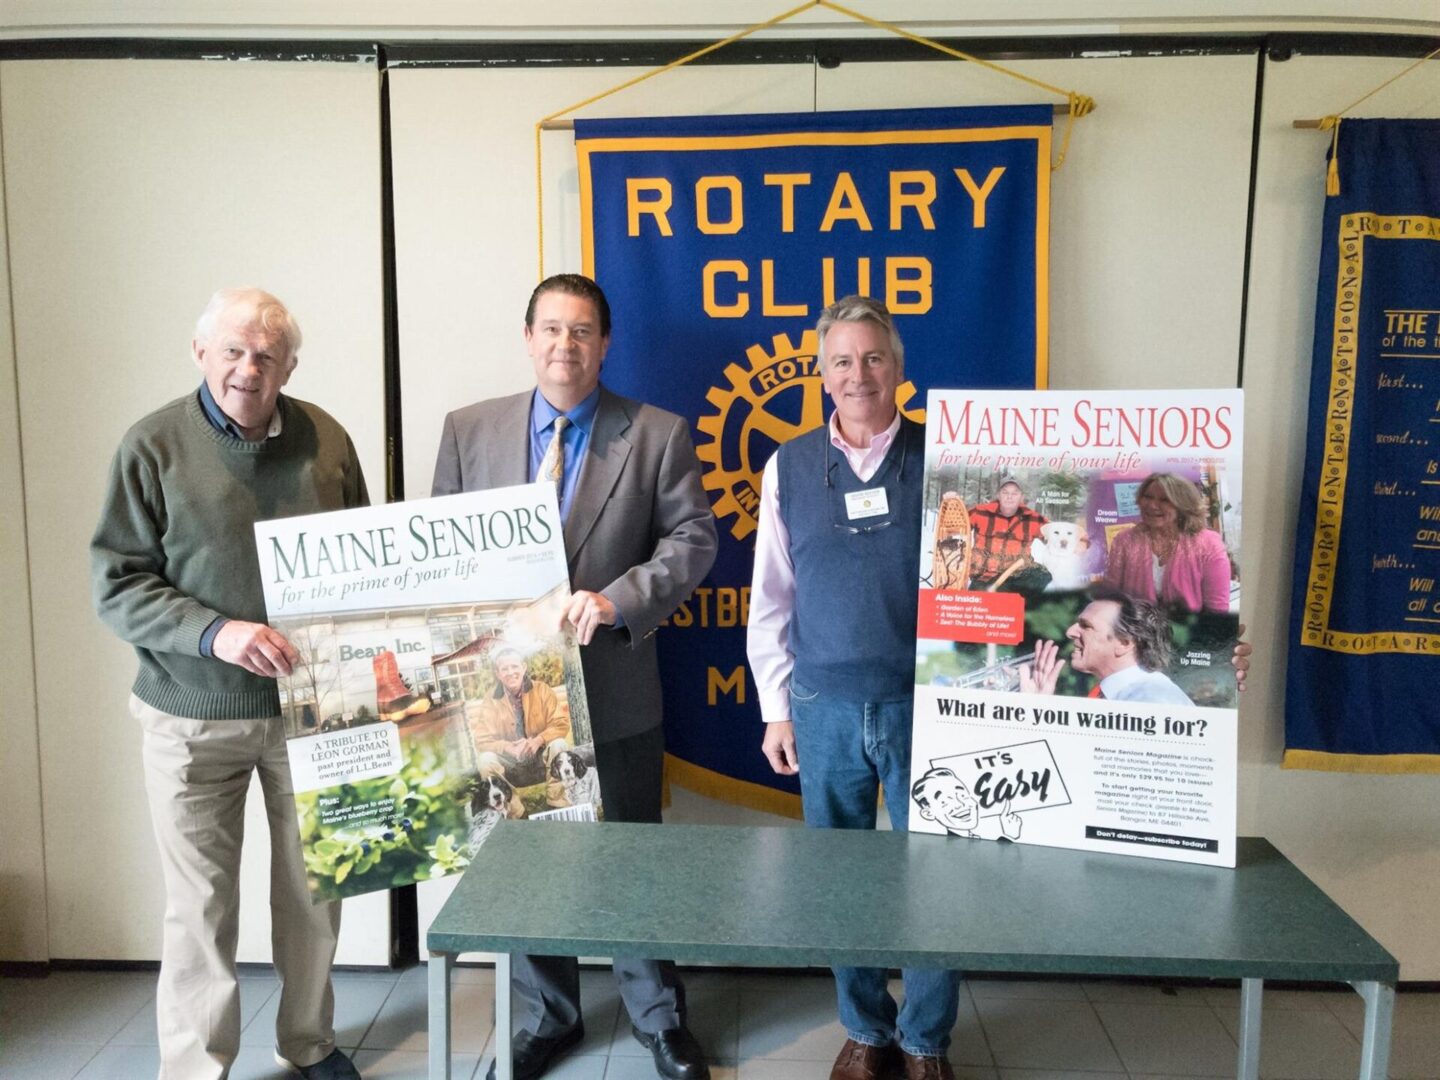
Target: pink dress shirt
<point x="772" y="590"/>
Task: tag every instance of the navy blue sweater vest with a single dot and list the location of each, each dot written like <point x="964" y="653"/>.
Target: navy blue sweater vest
<point x="853" y="627"/>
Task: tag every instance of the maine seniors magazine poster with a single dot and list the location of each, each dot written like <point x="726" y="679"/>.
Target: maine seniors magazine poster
<point x="1079" y="600"/>
<point x="436" y="693"/>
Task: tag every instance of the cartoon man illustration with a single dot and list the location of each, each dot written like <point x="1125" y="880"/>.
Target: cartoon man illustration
<point x="943" y="798"/>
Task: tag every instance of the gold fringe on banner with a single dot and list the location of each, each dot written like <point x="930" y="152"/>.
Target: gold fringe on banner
<point x="716" y="785"/>
<point x="1382" y="764"/>
<point x="1078" y="104"/>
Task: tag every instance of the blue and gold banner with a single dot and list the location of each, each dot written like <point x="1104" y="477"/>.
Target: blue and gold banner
<point x="719" y="240"/>
<point x="1365" y="630"/>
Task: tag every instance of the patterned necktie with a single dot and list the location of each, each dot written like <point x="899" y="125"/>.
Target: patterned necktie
<point x="552" y="465"/>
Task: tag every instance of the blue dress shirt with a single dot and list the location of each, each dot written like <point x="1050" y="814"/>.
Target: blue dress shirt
<point x="575" y="438"/>
<point x="218" y="420"/>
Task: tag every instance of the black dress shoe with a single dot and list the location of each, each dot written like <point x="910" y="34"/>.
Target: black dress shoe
<point x="532" y="1054"/>
<point x="677" y="1055"/>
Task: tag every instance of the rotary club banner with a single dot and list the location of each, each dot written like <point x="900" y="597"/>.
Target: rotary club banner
<point x="1365" y="625"/>
<point x="718" y="241"/>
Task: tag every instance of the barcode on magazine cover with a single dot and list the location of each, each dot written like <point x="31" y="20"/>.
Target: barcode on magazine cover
<point x="567" y="813"/>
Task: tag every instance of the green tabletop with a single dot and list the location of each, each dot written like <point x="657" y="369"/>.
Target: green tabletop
<point x="816" y="897"/>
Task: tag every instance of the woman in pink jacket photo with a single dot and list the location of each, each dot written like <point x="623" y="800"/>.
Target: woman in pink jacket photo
<point x="1169" y="557"/>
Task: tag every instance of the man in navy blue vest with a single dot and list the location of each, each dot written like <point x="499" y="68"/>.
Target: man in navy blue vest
<point x="832" y="648"/>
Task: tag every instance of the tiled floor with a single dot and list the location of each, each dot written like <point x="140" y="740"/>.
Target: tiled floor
<point x="756" y="1026"/>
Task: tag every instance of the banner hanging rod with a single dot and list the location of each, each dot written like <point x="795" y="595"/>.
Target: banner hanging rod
<point x="568" y="124"/>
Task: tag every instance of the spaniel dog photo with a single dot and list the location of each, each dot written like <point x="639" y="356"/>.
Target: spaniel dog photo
<point x="580" y="781"/>
<point x="492" y="799"/>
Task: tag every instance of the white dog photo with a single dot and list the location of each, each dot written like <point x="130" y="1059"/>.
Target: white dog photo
<point x="1058" y="550"/>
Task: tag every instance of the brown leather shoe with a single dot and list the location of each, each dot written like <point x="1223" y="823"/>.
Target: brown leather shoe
<point x="859" y="1061"/>
<point x="926" y="1068"/>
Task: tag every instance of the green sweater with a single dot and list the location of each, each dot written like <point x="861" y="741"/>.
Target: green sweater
<point x="175" y="546"/>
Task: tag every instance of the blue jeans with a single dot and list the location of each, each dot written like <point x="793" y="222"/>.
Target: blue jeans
<point x="847" y="750"/>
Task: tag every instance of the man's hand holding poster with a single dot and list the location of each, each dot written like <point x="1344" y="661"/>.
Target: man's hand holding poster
<point x="436" y="693"/>
<point x="1078" y="614"/>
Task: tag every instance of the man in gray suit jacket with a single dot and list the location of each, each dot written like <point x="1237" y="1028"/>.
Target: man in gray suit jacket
<point x="639" y="536"/>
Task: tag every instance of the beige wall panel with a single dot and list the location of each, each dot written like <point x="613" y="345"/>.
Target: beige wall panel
<point x="22" y="854"/>
<point x="1147" y="219"/>
<point x="1369" y="841"/>
<point x="465" y="221"/>
<point x="135" y="189"/>
<point x="465" y="225"/>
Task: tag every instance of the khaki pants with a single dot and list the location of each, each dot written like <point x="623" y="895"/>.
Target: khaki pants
<point x="197" y="773"/>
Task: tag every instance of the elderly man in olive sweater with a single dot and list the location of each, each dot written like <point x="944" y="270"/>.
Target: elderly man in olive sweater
<point x="175" y="574"/>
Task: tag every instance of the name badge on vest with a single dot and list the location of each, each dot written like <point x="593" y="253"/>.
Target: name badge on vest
<point x="869" y="503"/>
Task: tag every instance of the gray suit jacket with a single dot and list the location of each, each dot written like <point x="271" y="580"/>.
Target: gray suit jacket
<point x="640" y="531"/>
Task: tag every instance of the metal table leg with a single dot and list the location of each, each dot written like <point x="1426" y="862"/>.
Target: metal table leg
<point x="439" y="980"/>
<point x="503" y="1041"/>
<point x="1248" y="1067"/>
<point x="1379" y="1013"/>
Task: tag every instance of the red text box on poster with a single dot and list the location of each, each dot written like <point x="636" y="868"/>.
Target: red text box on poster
<point x="987" y="618"/>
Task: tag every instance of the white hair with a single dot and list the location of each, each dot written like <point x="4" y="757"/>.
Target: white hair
<point x="854" y="309"/>
<point x="269" y="312"/>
